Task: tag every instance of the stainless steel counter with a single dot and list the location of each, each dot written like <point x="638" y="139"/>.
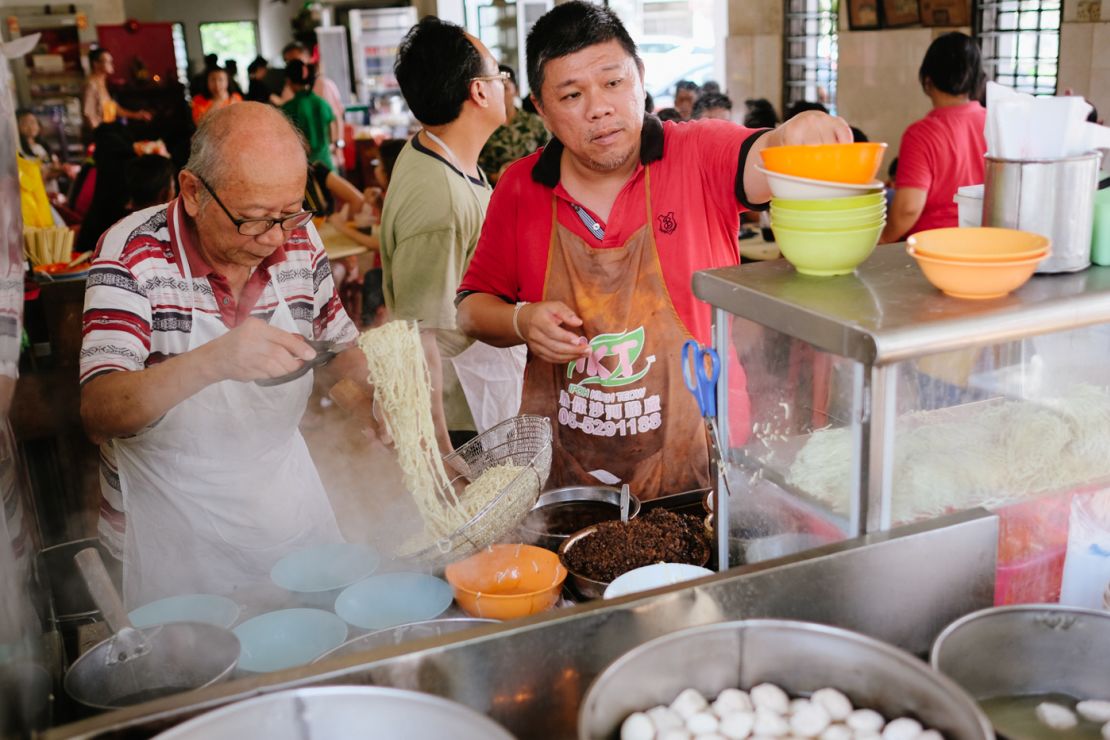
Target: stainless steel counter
<point x="902" y="586"/>
<point x="886" y="311"/>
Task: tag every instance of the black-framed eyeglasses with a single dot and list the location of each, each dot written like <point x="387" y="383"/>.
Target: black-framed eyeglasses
<point x="259" y="226"/>
<point x="503" y="76"/>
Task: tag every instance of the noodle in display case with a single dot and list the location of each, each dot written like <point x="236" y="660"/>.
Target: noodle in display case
<point x="876" y="402"/>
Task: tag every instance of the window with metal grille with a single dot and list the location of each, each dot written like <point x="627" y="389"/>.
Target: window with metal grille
<point x="810" y="52"/>
<point x="1020" y="40"/>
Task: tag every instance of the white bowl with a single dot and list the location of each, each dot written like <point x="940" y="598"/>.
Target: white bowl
<point x="653" y="576"/>
<point x="803" y="188"/>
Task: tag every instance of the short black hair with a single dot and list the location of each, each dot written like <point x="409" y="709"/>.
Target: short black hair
<point x="373" y="297"/>
<point x="801" y="106"/>
<point x="299" y="73"/>
<point x="211" y="60"/>
<point x="686" y="85"/>
<point x="257" y="64"/>
<point x="669" y="114"/>
<point x="293" y="46"/>
<point x="509" y="71"/>
<point x="568" y="28"/>
<point x="649" y="103"/>
<point x="761" y="113"/>
<point x="858" y="135"/>
<point x="95" y="54"/>
<point x="21" y="112"/>
<point x="149" y="179"/>
<point x="388" y="151"/>
<point x="954" y="65"/>
<point x="435" y="64"/>
<point x="710" y="86"/>
<point x="709" y="101"/>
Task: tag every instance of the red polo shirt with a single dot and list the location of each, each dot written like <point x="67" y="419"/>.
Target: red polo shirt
<point x="696" y="196"/>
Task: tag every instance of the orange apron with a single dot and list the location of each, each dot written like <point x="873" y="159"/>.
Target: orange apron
<point x="625" y="408"/>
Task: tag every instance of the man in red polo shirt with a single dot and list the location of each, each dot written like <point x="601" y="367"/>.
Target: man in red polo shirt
<point x="589" y="248"/>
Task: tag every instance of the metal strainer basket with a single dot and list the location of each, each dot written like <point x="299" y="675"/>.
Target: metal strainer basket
<point x="521" y="440"/>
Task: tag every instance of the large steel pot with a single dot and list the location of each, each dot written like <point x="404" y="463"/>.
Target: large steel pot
<point x="178" y="656"/>
<point x="337" y="712"/>
<point x="801" y="657"/>
<point x="1028" y="649"/>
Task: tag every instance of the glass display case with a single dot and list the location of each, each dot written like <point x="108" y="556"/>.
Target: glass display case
<point x="877" y="401"/>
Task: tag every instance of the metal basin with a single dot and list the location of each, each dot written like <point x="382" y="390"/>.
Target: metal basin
<point x="404" y="633"/>
<point x="339" y="712"/>
<point x="1028" y="649"/>
<point x="801" y="657"/>
<point x="542" y="537"/>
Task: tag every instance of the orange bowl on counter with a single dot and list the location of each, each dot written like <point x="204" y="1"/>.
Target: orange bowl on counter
<point x="984" y="244"/>
<point x="976" y="280"/>
<point x="507" y="581"/>
<point x="846" y="163"/>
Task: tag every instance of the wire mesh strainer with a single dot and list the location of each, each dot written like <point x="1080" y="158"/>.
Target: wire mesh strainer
<point x="524" y="441"/>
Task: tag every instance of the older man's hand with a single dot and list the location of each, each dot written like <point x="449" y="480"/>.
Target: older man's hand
<point x="255" y="350"/>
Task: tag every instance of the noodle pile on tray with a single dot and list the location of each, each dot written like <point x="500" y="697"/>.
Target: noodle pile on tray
<point x="399" y="374"/>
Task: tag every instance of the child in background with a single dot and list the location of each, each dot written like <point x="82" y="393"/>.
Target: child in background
<point x="150" y="182"/>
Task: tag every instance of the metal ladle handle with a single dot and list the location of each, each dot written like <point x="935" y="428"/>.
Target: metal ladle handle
<point x="101" y="588"/>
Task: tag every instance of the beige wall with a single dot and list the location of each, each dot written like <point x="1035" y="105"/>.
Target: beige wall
<point x="878" y="89"/>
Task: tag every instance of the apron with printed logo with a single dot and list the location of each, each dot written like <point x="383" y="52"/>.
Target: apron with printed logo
<point x="221" y="487"/>
<point x="623" y="412"/>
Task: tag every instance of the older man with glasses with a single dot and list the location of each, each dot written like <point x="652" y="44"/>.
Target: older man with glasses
<point x="206" y="481"/>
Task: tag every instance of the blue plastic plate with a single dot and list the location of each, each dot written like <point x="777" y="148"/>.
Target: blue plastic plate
<point x="325" y="567"/>
<point x="288" y="638"/>
<point x="205" y="608"/>
<point x="392" y="599"/>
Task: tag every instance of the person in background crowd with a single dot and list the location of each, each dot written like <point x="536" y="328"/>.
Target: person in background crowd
<point x="198" y="84"/>
<point x="218" y="95"/>
<point x="370" y="201"/>
<point x="115" y="147"/>
<point x="801" y="106"/>
<point x="374" y="312"/>
<point x="97" y="104"/>
<point x="521" y="134"/>
<point x="150" y="181"/>
<point x="888" y="184"/>
<point x="321" y="85"/>
<point x="685" y="95"/>
<point x="232" y="69"/>
<point x="257" y="89"/>
<point x="944" y="150"/>
<point x="858" y="136"/>
<point x="649" y="103"/>
<point x="760" y="113"/>
<point x="30" y="146"/>
<point x="310" y="113"/>
<point x="713" y="105"/>
<point x="711" y="87"/>
<point x="669" y="114"/>
<point x="438" y="194"/>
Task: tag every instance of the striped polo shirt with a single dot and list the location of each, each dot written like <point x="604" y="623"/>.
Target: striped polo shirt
<point x="137" y="308"/>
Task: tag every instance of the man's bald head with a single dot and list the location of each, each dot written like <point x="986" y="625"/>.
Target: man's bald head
<point x="246" y="143"/>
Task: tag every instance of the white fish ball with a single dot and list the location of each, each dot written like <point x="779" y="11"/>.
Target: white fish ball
<point x="837" y="732"/>
<point x="735" y="699"/>
<point x="1106" y="731"/>
<point x="797" y="705"/>
<point x="768" y="722"/>
<point x="702" y="722"/>
<point x="710" y="736"/>
<point x="1056" y="716"/>
<point x="810" y="720"/>
<point x="638" y="726"/>
<point x="689" y="703"/>
<point x="674" y="735"/>
<point x="903" y="728"/>
<point x="930" y="735"/>
<point x="737" y="725"/>
<point x="769" y="696"/>
<point x="835" y="703"/>
<point x="865" y="720"/>
<point x="866" y="735"/>
<point x="1094" y="710"/>
<point x="665" y="719"/>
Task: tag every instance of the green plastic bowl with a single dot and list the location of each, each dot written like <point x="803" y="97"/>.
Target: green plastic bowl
<point x="829" y="252"/>
<point x="830" y="204"/>
<point x="807" y="222"/>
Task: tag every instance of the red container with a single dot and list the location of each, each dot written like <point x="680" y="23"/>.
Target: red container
<point x="1032" y="545"/>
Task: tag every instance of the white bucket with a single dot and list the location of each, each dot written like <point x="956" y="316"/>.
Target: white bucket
<point x="969" y="198"/>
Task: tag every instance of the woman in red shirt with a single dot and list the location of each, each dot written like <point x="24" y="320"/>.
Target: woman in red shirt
<point x="944" y="150"/>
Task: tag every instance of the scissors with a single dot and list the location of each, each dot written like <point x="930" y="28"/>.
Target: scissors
<point x="701" y="367"/>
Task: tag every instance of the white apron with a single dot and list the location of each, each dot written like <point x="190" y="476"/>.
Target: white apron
<point x="222" y="486"/>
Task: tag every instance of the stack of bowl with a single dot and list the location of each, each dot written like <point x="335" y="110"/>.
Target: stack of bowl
<point x="828" y="209"/>
<point x="978" y="263"/>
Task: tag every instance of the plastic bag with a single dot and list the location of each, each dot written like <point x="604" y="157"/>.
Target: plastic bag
<point x="1087" y="565"/>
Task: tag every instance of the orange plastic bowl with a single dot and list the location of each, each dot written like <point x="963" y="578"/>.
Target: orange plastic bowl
<point x="976" y="280"/>
<point x="507" y="581"/>
<point x="985" y="244"/>
<point x="848" y="163"/>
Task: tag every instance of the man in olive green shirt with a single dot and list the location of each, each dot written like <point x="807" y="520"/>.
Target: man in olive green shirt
<point x="437" y="196"/>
